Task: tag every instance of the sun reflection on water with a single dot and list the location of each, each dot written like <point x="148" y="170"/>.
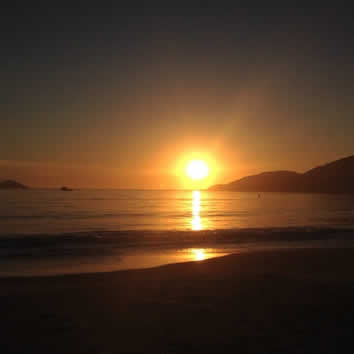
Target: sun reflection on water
<point x="198" y="254"/>
<point x="196" y="220"/>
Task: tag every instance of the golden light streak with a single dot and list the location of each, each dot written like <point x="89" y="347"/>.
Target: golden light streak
<point x="196" y="220"/>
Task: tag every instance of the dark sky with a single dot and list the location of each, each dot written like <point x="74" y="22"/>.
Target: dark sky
<point x="122" y="97"/>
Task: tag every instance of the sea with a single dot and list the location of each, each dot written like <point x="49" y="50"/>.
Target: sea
<point x="54" y="232"/>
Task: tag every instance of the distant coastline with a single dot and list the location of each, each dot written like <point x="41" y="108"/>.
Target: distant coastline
<point x="336" y="177"/>
<point x="10" y="184"/>
<point x="333" y="177"/>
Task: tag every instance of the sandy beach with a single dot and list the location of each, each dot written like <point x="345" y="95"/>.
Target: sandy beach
<point x="285" y="301"/>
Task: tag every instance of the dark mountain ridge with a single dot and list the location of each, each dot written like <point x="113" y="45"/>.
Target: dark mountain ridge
<point x="334" y="177"/>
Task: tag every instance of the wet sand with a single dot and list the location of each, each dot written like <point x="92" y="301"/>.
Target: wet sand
<point x="284" y="301"/>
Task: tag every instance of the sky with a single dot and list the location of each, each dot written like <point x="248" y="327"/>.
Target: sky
<point x="113" y="97"/>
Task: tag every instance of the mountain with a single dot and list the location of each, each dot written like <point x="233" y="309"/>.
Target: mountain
<point x="334" y="177"/>
<point x="9" y="184"/>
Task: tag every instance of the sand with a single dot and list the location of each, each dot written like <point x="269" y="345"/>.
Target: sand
<point x="285" y="301"/>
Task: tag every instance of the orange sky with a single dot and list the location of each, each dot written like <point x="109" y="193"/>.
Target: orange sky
<point x="124" y="99"/>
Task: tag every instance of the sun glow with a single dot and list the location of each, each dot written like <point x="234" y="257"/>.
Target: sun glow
<point x="197" y="170"/>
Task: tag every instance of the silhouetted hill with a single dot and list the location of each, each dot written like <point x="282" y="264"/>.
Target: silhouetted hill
<point x="9" y="184"/>
<point x="267" y="181"/>
<point x="334" y="177"/>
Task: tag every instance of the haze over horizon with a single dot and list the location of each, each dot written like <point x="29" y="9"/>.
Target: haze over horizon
<point x="123" y="97"/>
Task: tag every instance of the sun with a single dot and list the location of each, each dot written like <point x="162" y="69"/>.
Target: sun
<point x="197" y="169"/>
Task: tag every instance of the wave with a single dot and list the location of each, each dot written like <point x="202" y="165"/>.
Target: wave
<point x="152" y="214"/>
<point x="108" y="242"/>
<point x="88" y="216"/>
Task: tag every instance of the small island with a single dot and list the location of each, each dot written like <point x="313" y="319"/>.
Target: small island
<point x="10" y="184"/>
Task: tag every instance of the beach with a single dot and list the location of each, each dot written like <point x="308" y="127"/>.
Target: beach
<point x="280" y="301"/>
<point x="176" y="179"/>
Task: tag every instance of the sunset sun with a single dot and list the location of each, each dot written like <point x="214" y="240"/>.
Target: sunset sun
<point x="197" y="170"/>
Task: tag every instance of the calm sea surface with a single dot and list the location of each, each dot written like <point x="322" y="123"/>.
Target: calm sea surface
<point x="50" y="232"/>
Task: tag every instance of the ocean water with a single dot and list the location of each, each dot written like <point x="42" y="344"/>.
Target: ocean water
<point x="45" y="232"/>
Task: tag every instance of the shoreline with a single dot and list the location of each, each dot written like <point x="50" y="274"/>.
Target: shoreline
<point x="148" y="259"/>
<point x="112" y="251"/>
<point x="229" y="258"/>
